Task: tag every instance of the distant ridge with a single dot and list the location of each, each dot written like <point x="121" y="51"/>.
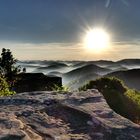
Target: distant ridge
<point x="103" y="62"/>
<point x="128" y="61"/>
<point x="80" y="76"/>
<point x="54" y="66"/>
<point x="90" y="68"/>
<point x="130" y="77"/>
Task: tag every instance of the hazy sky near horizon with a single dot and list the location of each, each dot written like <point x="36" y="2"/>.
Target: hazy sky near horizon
<point x="55" y="29"/>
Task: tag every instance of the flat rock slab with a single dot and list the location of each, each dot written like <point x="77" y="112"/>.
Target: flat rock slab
<point x="45" y="115"/>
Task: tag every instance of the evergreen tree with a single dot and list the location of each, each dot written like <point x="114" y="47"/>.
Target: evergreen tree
<point x="8" y="64"/>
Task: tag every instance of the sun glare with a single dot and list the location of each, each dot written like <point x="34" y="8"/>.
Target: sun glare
<point x="97" y="40"/>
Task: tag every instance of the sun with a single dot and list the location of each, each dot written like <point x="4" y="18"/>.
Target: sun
<point x="97" y="40"/>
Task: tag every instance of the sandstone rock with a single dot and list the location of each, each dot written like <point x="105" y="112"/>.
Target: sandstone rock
<point x="56" y="116"/>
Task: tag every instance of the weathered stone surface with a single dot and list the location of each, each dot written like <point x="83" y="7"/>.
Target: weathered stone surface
<point x="58" y="116"/>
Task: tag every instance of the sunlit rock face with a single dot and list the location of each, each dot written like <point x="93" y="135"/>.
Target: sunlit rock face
<point x="58" y="116"/>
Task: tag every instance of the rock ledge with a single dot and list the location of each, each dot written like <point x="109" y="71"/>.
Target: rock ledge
<point x="58" y="116"/>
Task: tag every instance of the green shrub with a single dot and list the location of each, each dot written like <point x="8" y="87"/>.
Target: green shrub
<point x="4" y="88"/>
<point x="120" y="98"/>
<point x="134" y="95"/>
<point x="106" y="83"/>
<point x="60" y="88"/>
<point x="112" y="89"/>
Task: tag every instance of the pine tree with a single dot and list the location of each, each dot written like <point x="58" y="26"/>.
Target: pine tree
<point x="8" y="64"/>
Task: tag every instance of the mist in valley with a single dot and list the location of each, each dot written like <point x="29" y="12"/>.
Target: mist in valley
<point x="76" y="73"/>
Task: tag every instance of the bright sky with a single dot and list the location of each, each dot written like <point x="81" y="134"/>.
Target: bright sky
<point x="55" y="29"/>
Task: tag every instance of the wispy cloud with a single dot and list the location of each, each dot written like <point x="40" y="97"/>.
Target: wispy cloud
<point x="71" y="51"/>
<point x="51" y="51"/>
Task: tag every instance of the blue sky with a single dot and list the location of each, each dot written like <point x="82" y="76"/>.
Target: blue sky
<point x="53" y="29"/>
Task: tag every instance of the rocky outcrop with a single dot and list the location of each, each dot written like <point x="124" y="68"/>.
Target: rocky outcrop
<point x="36" y="82"/>
<point x="62" y="116"/>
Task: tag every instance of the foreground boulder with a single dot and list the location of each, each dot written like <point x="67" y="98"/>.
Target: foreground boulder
<point x="27" y="82"/>
<point x="59" y="116"/>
